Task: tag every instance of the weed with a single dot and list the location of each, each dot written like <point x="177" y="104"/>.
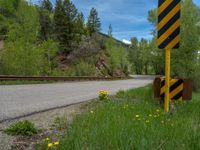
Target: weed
<point x="25" y="128"/>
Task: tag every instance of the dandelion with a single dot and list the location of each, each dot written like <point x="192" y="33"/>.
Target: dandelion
<point x="50" y="144"/>
<point x="103" y="95"/>
<point x="56" y="143"/>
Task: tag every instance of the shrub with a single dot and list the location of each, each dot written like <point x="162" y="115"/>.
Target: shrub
<point x="84" y="69"/>
<point x="25" y="128"/>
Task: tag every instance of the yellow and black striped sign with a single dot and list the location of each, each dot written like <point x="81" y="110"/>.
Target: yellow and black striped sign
<point x="168" y="27"/>
<point x="176" y="89"/>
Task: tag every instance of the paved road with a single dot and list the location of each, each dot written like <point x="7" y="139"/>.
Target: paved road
<point x="20" y="100"/>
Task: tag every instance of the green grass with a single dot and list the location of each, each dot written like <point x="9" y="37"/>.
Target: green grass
<point x="21" y="82"/>
<point x="115" y="125"/>
<point x="25" y="128"/>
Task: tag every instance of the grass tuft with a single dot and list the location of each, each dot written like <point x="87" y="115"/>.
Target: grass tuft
<point x="24" y="128"/>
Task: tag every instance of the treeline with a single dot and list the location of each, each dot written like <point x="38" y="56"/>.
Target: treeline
<point x="56" y="40"/>
<point x="185" y="61"/>
<point x="67" y="26"/>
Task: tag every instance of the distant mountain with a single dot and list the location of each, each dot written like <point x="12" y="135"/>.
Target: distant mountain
<point x="126" y="42"/>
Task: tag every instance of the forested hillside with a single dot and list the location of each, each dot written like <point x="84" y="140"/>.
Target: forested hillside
<point x="56" y="40"/>
<point x="59" y="40"/>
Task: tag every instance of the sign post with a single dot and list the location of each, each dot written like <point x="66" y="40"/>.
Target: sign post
<point x="167" y="80"/>
<point x="168" y="27"/>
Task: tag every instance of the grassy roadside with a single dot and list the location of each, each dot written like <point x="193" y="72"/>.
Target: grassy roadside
<point x="133" y="120"/>
<point x="20" y="82"/>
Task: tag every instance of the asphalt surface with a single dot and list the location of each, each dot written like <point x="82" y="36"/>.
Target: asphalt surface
<point x="21" y="100"/>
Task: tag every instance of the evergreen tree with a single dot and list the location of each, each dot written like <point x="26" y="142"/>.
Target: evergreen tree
<point x="79" y="27"/>
<point x="61" y="26"/>
<point x="46" y="4"/>
<point x="71" y="16"/>
<point x="93" y="24"/>
<point x="110" y="30"/>
<point x="46" y="24"/>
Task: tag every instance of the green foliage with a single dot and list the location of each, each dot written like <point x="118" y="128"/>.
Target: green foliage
<point x="117" y="57"/>
<point x="139" y="55"/>
<point x="46" y="23"/>
<point x="135" y="121"/>
<point x="49" y="51"/>
<point x="93" y="24"/>
<point x="25" y="128"/>
<point x="82" y="68"/>
<point x="184" y="61"/>
<point x="8" y="10"/>
<point x="69" y="25"/>
<point x="60" y="25"/>
<point x="21" y="56"/>
<point x="46" y="4"/>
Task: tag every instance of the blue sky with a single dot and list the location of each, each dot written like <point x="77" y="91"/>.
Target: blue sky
<point x="128" y="17"/>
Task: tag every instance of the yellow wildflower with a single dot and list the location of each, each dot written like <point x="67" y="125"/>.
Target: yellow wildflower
<point x="56" y="143"/>
<point x="47" y="139"/>
<point x="50" y="144"/>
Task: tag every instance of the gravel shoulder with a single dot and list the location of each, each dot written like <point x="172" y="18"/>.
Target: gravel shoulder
<point x="44" y="121"/>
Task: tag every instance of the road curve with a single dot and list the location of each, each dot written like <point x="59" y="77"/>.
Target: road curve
<point x="21" y="100"/>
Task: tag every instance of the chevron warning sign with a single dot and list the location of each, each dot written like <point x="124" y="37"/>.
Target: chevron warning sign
<point x="176" y="89"/>
<point x="168" y="27"/>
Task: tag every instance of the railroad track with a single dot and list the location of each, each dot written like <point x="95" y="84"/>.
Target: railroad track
<point x="51" y="78"/>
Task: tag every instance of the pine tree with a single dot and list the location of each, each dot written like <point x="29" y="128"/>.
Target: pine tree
<point x="93" y="24"/>
<point x="79" y="27"/>
<point x="61" y="26"/>
<point x="71" y="16"/>
<point x="46" y="4"/>
<point x="46" y="24"/>
<point x="110" y="30"/>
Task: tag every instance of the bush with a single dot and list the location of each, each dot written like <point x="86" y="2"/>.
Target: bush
<point x="85" y="69"/>
<point x="25" y="128"/>
<point x="117" y="57"/>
